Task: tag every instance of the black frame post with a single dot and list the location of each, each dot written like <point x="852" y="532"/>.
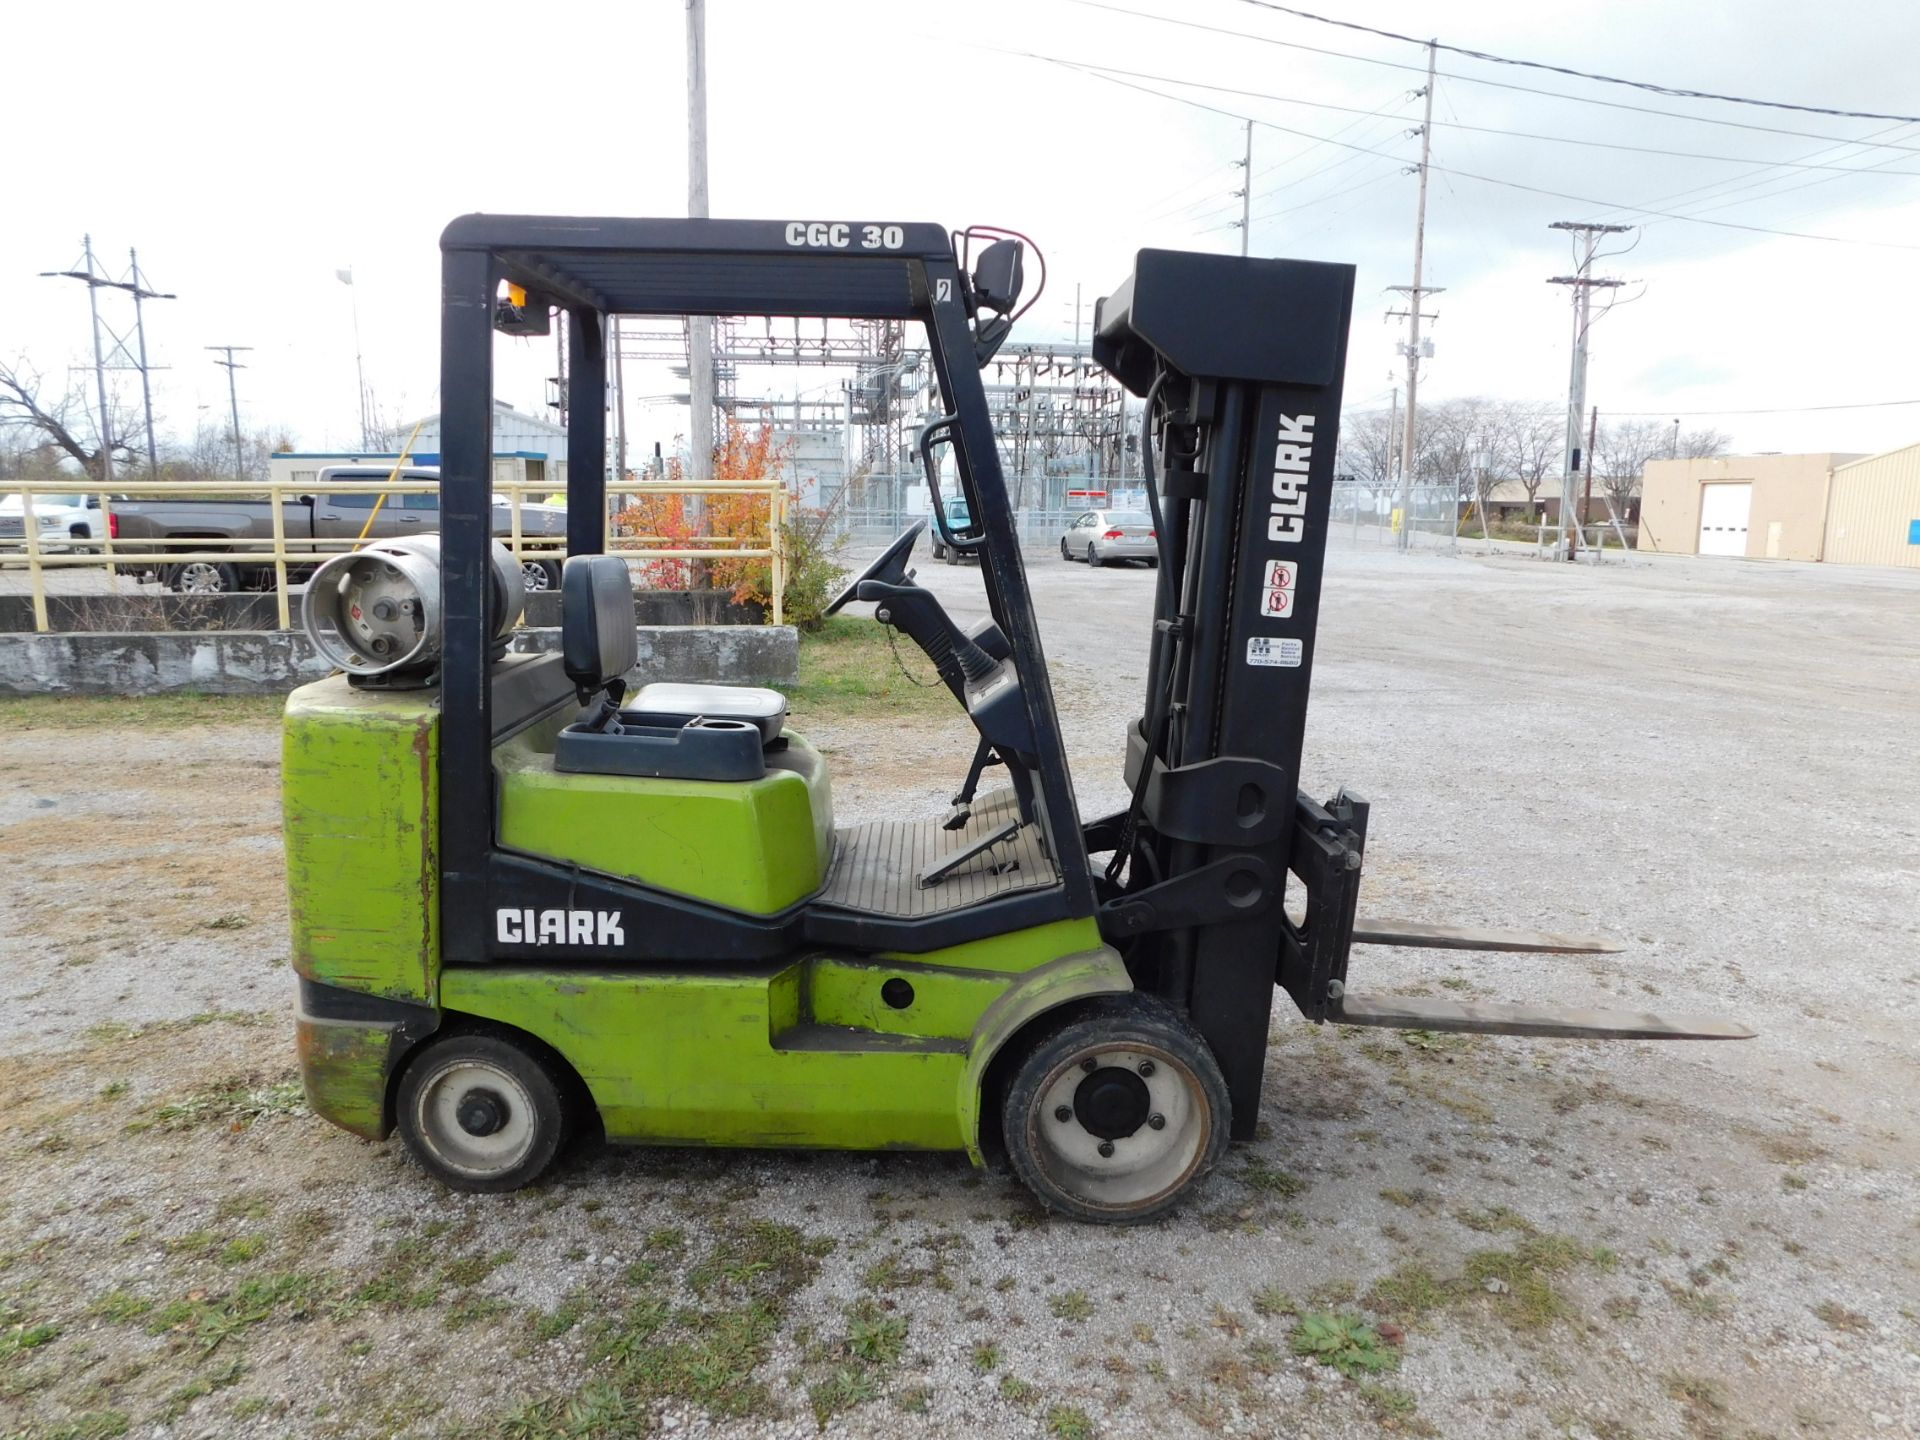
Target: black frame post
<point x="586" y="431"/>
<point x="466" y="597"/>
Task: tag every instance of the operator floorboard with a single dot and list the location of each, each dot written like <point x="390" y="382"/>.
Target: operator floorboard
<point x="876" y="867"/>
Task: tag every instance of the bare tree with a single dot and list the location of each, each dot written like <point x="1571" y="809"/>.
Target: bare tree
<point x="1367" y="443"/>
<point x="24" y="406"/>
<point x="1527" y="444"/>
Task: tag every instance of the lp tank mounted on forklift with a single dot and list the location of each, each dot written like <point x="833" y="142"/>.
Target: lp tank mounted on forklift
<point x="533" y="891"/>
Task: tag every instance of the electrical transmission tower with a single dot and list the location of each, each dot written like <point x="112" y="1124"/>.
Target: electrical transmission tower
<point x="233" y="399"/>
<point x="117" y="355"/>
<point x="1583" y="283"/>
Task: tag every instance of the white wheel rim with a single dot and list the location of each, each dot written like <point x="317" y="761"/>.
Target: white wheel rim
<point x="1144" y="1166"/>
<point x="534" y="575"/>
<point x="199" y="578"/>
<point x="437" y="1111"/>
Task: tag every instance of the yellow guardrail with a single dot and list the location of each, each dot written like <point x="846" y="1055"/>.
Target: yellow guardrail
<point x="280" y="550"/>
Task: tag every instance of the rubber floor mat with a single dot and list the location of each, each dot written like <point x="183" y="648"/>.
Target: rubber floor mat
<point x="876" y="867"/>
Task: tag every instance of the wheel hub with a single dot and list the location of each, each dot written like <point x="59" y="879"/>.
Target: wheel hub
<point x="481" y="1112"/>
<point x="1112" y="1103"/>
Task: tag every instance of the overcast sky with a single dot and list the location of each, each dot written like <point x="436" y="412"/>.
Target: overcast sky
<point x="251" y="150"/>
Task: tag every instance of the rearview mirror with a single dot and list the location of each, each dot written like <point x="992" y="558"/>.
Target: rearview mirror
<point x="997" y="276"/>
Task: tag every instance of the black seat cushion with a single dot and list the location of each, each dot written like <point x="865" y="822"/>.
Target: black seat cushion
<point x="597" y="641"/>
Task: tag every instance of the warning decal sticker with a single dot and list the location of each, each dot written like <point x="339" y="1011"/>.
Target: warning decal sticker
<point x="1269" y="650"/>
<point x="1277" y="597"/>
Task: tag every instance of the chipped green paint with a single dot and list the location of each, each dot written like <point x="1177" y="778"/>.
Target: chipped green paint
<point x="757" y="846"/>
<point x="344" y="1070"/>
<point x="361" y="805"/>
<point x="1099" y="971"/>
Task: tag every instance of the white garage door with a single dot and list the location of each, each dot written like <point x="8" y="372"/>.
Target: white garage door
<point x="1723" y="518"/>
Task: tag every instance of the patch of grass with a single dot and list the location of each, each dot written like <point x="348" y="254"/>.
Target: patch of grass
<point x="1271" y="1300"/>
<point x="845" y="1388"/>
<point x="986" y="1357"/>
<point x="1265" y="1179"/>
<point x="1389" y="1403"/>
<point x="1836" y="1316"/>
<point x="1520" y="1280"/>
<point x="552" y="1324"/>
<point x="16" y="1338"/>
<point x="1696" y="1392"/>
<point x="1345" y="1343"/>
<point x="93" y="1425"/>
<point x="234" y="1103"/>
<point x="1016" y="1391"/>
<point x="1071" y="1305"/>
<point x="874" y="1337"/>
<point x="242" y="1248"/>
<point x="847" y="668"/>
<point x="199" y="1388"/>
<point x="120" y="1306"/>
<point x="1410" y="1293"/>
<point x="1069" y="1422"/>
<point x="179" y="711"/>
<point x="210" y="1320"/>
<point x="472" y="1269"/>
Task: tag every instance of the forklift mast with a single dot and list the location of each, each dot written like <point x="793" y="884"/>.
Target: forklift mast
<point x="1240" y="363"/>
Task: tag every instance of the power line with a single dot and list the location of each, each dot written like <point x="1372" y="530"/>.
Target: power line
<point x="1676" y="92"/>
<point x="1611" y="205"/>
<point x="1777" y="410"/>
<point x="1457" y="124"/>
<point x="1482" y="80"/>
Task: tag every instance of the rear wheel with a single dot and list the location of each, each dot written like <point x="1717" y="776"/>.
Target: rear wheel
<point x="203" y="577"/>
<point x="540" y="574"/>
<point x="482" y="1111"/>
<point x="1093" y="556"/>
<point x="1116" y="1116"/>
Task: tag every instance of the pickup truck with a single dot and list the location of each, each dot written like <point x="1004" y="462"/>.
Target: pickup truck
<point x="338" y="509"/>
<point x="62" y="520"/>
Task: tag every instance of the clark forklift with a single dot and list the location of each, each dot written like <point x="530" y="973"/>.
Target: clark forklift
<point x="533" y="894"/>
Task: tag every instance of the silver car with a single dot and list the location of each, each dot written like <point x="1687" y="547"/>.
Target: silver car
<point x="1102" y="535"/>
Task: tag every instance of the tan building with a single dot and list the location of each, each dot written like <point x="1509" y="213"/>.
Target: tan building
<point x="1763" y="506"/>
<point x="1873" y="513"/>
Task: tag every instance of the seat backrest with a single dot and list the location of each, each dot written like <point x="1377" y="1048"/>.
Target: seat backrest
<point x="597" y="641"/>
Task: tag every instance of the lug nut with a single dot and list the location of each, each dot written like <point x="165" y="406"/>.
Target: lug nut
<point x="1063" y="1113"/>
<point x="1089" y="1065"/>
<point x="1106" y="1149"/>
<point x="1147" y="1067"/>
<point x="1156" y="1122"/>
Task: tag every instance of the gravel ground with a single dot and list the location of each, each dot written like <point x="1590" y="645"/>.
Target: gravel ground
<point x="1711" y="760"/>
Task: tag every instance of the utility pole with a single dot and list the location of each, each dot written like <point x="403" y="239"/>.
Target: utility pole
<point x="619" y="404"/>
<point x="1587" y="241"/>
<point x="233" y="399"/>
<point x="1415" y="293"/>
<point x="345" y="277"/>
<point x="699" y="327"/>
<point x="1245" y="193"/>
<point x="105" y="356"/>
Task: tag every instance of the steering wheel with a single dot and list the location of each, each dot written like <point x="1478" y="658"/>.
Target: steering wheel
<point x="890" y="566"/>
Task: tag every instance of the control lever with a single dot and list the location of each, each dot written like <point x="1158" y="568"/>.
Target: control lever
<point x="919" y="613"/>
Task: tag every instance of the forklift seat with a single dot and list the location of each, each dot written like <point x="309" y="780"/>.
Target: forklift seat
<point x="669" y="732"/>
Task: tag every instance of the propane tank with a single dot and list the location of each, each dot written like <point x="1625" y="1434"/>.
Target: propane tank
<point x="376" y="611"/>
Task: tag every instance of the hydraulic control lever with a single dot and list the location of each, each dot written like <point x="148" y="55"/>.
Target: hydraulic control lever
<point x="920" y="615"/>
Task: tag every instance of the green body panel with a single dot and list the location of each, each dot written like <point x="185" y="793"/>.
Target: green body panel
<point x="361" y="800"/>
<point x="344" y="1068"/>
<point x="806" y="1054"/>
<point x="757" y="846"/>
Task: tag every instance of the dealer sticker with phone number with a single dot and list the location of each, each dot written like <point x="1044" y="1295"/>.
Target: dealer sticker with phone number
<point x="1270" y="650"/>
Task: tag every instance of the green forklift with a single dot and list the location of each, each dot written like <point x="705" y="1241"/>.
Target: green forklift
<point x="540" y="894"/>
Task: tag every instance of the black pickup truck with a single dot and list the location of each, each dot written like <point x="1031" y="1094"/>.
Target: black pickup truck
<point x="343" y="498"/>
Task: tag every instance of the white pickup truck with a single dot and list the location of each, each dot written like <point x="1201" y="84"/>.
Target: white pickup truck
<point x="63" y="520"/>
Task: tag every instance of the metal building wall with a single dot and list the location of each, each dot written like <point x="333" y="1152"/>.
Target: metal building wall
<point x="1873" y="516"/>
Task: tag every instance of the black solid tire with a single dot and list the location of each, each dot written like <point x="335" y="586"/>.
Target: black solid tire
<point x="1065" y="554"/>
<point x="1137" y="1024"/>
<point x="1093" y="557"/>
<point x="227" y="576"/>
<point x="541" y="1084"/>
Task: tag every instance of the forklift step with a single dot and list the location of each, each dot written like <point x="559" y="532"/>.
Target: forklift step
<point x="1401" y="1012"/>
<point x="1414" y="934"/>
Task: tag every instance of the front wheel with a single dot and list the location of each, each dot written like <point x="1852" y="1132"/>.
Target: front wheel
<point x="203" y="577"/>
<point x="482" y="1112"/>
<point x="1116" y="1116"/>
<point x="1065" y="554"/>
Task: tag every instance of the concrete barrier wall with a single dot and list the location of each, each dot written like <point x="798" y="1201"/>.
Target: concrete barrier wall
<point x="255" y="662"/>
